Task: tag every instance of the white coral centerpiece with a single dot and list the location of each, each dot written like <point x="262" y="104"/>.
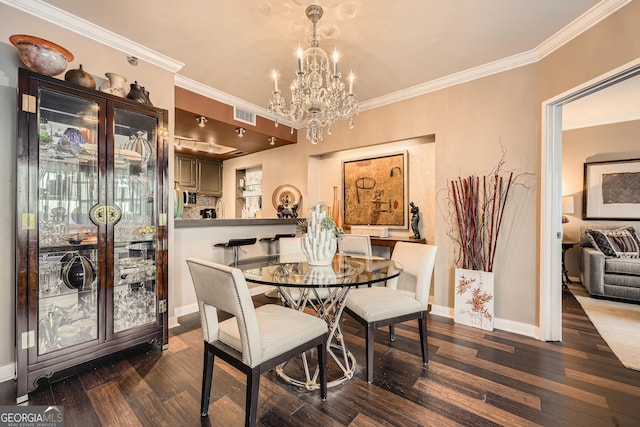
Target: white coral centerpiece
<point x="319" y="244"/>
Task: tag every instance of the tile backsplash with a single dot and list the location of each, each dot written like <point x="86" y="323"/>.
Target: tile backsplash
<point x="203" y="202"/>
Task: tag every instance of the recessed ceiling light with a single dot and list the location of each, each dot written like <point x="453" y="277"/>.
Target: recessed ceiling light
<point x="201" y="121"/>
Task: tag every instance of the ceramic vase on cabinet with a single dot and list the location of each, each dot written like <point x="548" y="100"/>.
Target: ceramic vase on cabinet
<point x="116" y="84"/>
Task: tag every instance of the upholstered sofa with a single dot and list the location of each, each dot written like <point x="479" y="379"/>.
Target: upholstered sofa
<point x="610" y="261"/>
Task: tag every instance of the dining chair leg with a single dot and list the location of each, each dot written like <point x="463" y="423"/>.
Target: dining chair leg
<point x="422" y="326"/>
<point x="207" y="378"/>
<point x="369" y="335"/>
<point x="392" y="333"/>
<point x="322" y="362"/>
<point x="251" y="404"/>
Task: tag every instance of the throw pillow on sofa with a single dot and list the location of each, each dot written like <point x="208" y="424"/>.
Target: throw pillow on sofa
<point x="618" y="243"/>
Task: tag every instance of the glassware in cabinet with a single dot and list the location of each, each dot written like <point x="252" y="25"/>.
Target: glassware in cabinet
<point x="91" y="249"/>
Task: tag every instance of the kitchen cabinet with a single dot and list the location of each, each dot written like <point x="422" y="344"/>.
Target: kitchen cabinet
<point x="186" y="171"/>
<point x="209" y="177"/>
<point x="198" y="174"/>
<point x="91" y="235"/>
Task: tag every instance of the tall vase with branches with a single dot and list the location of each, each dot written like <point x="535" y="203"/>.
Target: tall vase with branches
<point x="477" y="205"/>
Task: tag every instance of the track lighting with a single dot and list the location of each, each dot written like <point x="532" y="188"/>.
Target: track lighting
<point x="240" y="132"/>
<point x="201" y="121"/>
<point x="272" y="140"/>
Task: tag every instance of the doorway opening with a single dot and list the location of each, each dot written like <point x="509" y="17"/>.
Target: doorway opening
<point x="551" y="196"/>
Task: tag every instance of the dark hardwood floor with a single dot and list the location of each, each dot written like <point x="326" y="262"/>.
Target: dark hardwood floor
<point x="474" y="378"/>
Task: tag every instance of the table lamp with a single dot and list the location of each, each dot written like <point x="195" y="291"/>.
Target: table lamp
<point x="567" y="207"/>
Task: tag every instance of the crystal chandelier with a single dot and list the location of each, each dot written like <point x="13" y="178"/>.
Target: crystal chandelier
<point x="318" y="95"/>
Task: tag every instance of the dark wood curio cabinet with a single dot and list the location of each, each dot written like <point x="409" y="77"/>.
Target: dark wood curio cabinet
<point x="91" y="226"/>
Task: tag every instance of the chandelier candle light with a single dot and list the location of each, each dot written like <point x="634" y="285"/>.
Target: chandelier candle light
<point x="318" y="95"/>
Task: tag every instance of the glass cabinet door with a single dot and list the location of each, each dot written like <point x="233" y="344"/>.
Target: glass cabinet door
<point x="90" y="230"/>
<point x="68" y="187"/>
<point x="135" y="194"/>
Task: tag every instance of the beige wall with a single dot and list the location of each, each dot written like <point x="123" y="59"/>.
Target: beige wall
<point x="617" y="141"/>
<point x="469" y="121"/>
<point x="316" y="176"/>
<point x="608" y="45"/>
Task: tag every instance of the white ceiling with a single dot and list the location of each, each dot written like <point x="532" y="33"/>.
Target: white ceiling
<point x="396" y="49"/>
<point x="390" y="46"/>
<point x="617" y="103"/>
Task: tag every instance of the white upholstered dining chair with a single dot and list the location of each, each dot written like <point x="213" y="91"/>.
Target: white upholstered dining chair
<point x="402" y="299"/>
<point x="290" y="250"/>
<point x="255" y="340"/>
<point x="354" y="244"/>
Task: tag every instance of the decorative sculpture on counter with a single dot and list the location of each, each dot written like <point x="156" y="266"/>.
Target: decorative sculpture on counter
<point x="415" y="220"/>
<point x="287" y="209"/>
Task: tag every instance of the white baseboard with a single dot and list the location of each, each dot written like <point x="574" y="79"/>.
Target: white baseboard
<point x="7" y="372"/>
<point x="441" y="310"/>
<point x="173" y="322"/>
<point x="185" y="309"/>
<point x="181" y="311"/>
<point x="516" y="327"/>
<point x="502" y="324"/>
<point x="193" y="308"/>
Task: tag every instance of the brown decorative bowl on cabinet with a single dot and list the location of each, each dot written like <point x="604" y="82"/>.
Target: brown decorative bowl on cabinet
<point x="40" y="55"/>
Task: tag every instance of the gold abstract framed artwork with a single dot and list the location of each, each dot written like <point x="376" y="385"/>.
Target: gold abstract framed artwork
<point x="612" y="190"/>
<point x="375" y="190"/>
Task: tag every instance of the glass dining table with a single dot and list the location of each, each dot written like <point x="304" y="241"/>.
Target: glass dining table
<point x="321" y="290"/>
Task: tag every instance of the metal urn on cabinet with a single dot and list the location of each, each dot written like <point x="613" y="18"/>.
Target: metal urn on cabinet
<point x="91" y="229"/>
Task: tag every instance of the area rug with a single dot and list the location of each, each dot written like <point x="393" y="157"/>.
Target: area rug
<point x="617" y="322"/>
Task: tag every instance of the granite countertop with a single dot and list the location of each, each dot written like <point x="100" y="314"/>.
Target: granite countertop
<point x="185" y="223"/>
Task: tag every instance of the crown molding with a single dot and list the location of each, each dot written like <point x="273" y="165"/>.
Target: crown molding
<point x="225" y="98"/>
<point x="485" y="70"/>
<point x="579" y="25"/>
<point x="80" y="26"/>
<point x="87" y="29"/>
<point x="587" y="20"/>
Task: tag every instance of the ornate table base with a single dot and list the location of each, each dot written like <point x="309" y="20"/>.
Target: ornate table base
<point x="328" y="304"/>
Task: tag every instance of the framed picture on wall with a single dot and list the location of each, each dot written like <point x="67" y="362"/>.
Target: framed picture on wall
<point x="612" y="190"/>
<point x="375" y="190"/>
